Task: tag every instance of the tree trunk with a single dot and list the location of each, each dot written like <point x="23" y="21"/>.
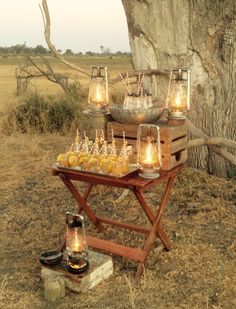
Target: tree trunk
<point x="21" y="85"/>
<point x="199" y="34"/>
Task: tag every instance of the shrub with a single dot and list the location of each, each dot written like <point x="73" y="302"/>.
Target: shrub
<point x="60" y="116"/>
<point x="75" y="93"/>
<point x="37" y="115"/>
<point x="32" y="116"/>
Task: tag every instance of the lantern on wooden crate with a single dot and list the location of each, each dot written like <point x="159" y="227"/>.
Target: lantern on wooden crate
<point x="98" y="90"/>
<point x="76" y="245"/>
<point x="148" y="150"/>
<point x="178" y="98"/>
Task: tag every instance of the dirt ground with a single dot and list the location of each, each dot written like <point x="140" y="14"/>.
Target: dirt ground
<point x="199" y="271"/>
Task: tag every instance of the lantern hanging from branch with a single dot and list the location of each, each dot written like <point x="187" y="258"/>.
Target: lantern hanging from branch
<point x="148" y="150"/>
<point x="178" y="98"/>
<point x="76" y="245"/>
<point x="98" y="90"/>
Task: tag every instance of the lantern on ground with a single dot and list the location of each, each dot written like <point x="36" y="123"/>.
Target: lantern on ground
<point x="148" y="150"/>
<point x="98" y="90"/>
<point x="178" y="98"/>
<point x="76" y="245"/>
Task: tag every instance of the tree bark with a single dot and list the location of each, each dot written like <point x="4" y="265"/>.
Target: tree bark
<point x="199" y="34"/>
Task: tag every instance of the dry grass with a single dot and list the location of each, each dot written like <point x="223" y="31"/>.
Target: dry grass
<point x="41" y="86"/>
<point x="199" y="271"/>
<point x="44" y="87"/>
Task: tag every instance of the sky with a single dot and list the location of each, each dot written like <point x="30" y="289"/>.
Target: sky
<point x="79" y="25"/>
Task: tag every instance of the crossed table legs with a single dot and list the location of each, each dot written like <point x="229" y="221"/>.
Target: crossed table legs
<point x="138" y="254"/>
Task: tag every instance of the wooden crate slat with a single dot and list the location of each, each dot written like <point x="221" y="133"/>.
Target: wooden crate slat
<point x="179" y="158"/>
<point x="173" y="141"/>
<point x="171" y="132"/>
<point x="118" y="128"/>
<point x="119" y="142"/>
<point x="174" y="160"/>
<point x="167" y="132"/>
<point x="166" y="148"/>
<point x="179" y="144"/>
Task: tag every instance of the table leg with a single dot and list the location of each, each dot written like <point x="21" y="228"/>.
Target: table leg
<point x="82" y="202"/>
<point x="85" y="197"/>
<point x="148" y="211"/>
<point x="156" y="226"/>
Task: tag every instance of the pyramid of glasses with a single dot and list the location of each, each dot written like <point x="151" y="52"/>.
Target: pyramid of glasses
<point x="96" y="156"/>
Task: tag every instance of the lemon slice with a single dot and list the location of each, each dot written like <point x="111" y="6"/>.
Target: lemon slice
<point x="73" y="160"/>
<point x="61" y="157"/>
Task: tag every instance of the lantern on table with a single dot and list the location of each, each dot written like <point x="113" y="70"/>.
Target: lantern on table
<point x="148" y="150"/>
<point x="178" y="98"/>
<point x="76" y="245"/>
<point x="98" y="90"/>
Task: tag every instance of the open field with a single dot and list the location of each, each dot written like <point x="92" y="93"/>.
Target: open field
<point x="43" y="86"/>
<point x="200" y="219"/>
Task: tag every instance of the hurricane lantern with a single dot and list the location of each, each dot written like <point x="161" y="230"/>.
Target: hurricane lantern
<point x="76" y="244"/>
<point x="148" y="150"/>
<point x="178" y="98"/>
<point x="98" y="89"/>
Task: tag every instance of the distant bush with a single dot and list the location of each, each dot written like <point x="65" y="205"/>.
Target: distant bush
<point x="60" y="116"/>
<point x="38" y="115"/>
<point x="32" y="115"/>
<point x="75" y="93"/>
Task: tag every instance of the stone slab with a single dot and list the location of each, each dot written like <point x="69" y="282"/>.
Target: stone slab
<point x="56" y="278"/>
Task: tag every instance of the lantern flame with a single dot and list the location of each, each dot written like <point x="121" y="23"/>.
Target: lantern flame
<point x="150" y="155"/>
<point x="178" y="101"/>
<point x="76" y="243"/>
<point x="98" y="97"/>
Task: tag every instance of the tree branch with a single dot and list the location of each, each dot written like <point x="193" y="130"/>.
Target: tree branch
<point x="47" y="34"/>
<point x="211" y="142"/>
<point x="26" y="72"/>
<point x="215" y="141"/>
<point x="138" y="72"/>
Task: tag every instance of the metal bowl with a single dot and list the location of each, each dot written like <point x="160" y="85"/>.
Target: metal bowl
<point x="136" y="115"/>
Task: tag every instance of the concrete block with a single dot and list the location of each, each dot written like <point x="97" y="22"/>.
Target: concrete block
<point x="56" y="278"/>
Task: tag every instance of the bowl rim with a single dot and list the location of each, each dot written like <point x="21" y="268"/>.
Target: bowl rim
<point x="120" y="107"/>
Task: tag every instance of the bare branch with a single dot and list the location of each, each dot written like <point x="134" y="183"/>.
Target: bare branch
<point x="215" y="141"/>
<point x="122" y="196"/>
<point x="44" y="22"/>
<point x="136" y="73"/>
<point x="222" y="142"/>
<point x="47" y="34"/>
<point x="27" y="71"/>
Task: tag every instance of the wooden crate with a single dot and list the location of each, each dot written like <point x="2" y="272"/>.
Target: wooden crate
<point x="173" y="141"/>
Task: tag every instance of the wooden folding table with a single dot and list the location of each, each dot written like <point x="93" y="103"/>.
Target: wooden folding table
<point x="137" y="185"/>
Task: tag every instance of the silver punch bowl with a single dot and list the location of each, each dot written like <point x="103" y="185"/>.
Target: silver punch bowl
<point x="136" y="115"/>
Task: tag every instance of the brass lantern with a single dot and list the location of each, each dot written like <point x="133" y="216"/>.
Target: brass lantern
<point x="98" y="90"/>
<point x="178" y="98"/>
<point x="76" y="245"/>
<point x="148" y="150"/>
